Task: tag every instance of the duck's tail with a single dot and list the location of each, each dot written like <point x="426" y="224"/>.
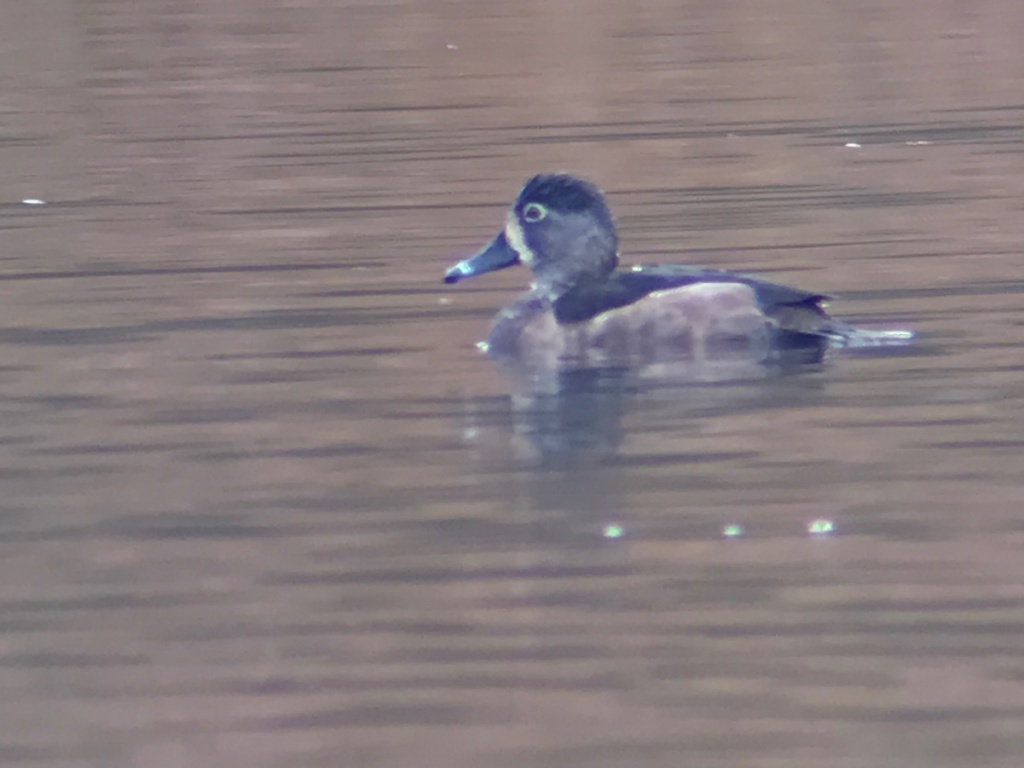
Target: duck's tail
<point x="842" y="335"/>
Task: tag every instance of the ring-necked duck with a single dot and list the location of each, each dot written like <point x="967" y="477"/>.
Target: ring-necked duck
<point x="582" y="308"/>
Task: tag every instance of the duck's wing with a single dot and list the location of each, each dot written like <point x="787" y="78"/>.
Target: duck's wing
<point x="798" y="316"/>
<point x="790" y="307"/>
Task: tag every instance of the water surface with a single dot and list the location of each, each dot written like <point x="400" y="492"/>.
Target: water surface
<point x="266" y="505"/>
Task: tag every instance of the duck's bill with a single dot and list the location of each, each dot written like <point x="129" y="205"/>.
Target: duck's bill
<point x="496" y="255"/>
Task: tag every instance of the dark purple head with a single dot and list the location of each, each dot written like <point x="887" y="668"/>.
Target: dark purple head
<point x="560" y="227"/>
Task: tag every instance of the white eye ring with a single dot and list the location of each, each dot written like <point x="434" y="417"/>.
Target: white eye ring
<point x="534" y="212"/>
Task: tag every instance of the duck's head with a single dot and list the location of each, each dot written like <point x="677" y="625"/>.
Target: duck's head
<point x="560" y="227"/>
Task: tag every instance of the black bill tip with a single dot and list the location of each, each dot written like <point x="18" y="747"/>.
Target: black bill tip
<point x="496" y="255"/>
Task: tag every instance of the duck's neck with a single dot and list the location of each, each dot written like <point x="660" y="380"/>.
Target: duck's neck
<point x="565" y="277"/>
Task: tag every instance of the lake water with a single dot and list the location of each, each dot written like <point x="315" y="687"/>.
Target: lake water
<point x="264" y="504"/>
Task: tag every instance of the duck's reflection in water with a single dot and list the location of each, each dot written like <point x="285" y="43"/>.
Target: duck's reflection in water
<point x="562" y="418"/>
<point x="569" y="415"/>
<point x="573" y="452"/>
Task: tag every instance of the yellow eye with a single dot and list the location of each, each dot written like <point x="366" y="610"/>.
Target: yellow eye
<point x="534" y="212"/>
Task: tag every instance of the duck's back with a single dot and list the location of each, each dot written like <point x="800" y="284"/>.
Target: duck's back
<point x="651" y="283"/>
